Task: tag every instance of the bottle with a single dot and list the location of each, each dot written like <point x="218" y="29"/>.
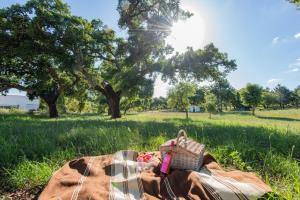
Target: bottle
<point x="167" y="160"/>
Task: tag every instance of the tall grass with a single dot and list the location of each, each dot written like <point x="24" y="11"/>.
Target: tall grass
<point x="33" y="147"/>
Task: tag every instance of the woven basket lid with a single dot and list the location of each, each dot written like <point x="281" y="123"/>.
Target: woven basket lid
<point x="184" y="143"/>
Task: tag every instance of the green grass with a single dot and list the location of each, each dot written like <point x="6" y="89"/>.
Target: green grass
<point x="33" y="147"/>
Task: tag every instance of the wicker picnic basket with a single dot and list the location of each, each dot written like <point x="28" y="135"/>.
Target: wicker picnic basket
<point x="186" y="154"/>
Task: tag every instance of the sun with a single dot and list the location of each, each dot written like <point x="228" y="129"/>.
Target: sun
<point x="187" y="33"/>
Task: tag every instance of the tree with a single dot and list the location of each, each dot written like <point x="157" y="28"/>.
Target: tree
<point x="135" y="59"/>
<point x="36" y="50"/>
<point x="159" y="103"/>
<point x="284" y="95"/>
<point x="199" y="97"/>
<point x="252" y="95"/>
<point x="147" y="23"/>
<point x="269" y="98"/>
<point x="210" y="103"/>
<point x="179" y="96"/>
<point x="297" y="96"/>
<point x="128" y="63"/>
<point x="223" y="92"/>
<point x="236" y="101"/>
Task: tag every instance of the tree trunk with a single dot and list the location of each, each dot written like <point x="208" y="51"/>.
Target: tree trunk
<point x="253" y="110"/>
<point x="52" y="110"/>
<point x="113" y="99"/>
<point x="186" y="113"/>
<point x="50" y="97"/>
<point x="114" y="104"/>
<point x="109" y="109"/>
<point x="221" y="105"/>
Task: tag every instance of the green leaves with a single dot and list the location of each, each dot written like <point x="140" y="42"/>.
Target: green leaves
<point x="297" y="2"/>
<point x="252" y="95"/>
<point x="179" y="96"/>
<point x="202" y="64"/>
<point x="47" y="48"/>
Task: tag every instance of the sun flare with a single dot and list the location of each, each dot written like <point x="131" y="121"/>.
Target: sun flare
<point x="187" y="33"/>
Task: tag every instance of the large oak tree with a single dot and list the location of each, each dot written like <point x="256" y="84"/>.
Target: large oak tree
<point x="36" y="43"/>
<point x="130" y="64"/>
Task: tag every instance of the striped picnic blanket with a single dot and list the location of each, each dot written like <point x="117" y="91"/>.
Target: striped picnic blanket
<point x="121" y="177"/>
<point x="125" y="182"/>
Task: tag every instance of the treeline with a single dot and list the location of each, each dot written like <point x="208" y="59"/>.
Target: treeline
<point x="222" y="96"/>
<point x="218" y="97"/>
<point x="97" y="104"/>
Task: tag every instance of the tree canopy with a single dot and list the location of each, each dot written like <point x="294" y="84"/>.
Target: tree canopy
<point x="296" y="2"/>
<point x="284" y="95"/>
<point x="252" y="95"/>
<point x="210" y="103"/>
<point x="36" y="50"/>
<point x="132" y="62"/>
<point x="223" y="91"/>
<point x="199" y="65"/>
<point x="179" y="96"/>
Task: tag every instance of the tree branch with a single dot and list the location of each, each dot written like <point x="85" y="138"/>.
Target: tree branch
<point x="8" y="86"/>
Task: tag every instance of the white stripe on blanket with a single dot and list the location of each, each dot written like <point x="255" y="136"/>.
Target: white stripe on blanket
<point x="82" y="179"/>
<point x="229" y="188"/>
<point x="124" y="183"/>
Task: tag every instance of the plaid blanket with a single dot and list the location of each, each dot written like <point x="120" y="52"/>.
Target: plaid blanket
<point x="119" y="176"/>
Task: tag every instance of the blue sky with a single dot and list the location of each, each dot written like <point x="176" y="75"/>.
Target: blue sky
<point x="261" y="35"/>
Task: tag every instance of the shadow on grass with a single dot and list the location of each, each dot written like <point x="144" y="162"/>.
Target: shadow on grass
<point x="277" y="118"/>
<point x="248" y="113"/>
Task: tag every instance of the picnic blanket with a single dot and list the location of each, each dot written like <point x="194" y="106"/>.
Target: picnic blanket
<point x="120" y="177"/>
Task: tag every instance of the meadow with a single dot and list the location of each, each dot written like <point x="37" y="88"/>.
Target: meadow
<point x="32" y="147"/>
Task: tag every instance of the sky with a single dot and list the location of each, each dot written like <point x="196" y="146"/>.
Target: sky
<point x="263" y="36"/>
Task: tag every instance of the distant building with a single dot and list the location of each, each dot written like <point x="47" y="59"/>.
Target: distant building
<point x="194" y="108"/>
<point x="18" y="101"/>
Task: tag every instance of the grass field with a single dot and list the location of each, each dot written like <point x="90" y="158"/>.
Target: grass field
<point x="32" y="147"/>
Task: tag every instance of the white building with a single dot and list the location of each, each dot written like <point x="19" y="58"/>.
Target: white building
<point x="18" y="101"/>
<point x="194" y="108"/>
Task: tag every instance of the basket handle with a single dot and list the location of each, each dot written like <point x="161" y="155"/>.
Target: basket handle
<point x="181" y="133"/>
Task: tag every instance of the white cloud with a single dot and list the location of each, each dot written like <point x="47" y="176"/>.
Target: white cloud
<point x="294" y="67"/>
<point x="295" y="64"/>
<point x="297" y="36"/>
<point x="275" y="40"/>
<point x="293" y="70"/>
<point x="274" y="80"/>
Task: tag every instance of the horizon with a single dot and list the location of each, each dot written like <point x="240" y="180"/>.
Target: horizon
<point x="256" y="34"/>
